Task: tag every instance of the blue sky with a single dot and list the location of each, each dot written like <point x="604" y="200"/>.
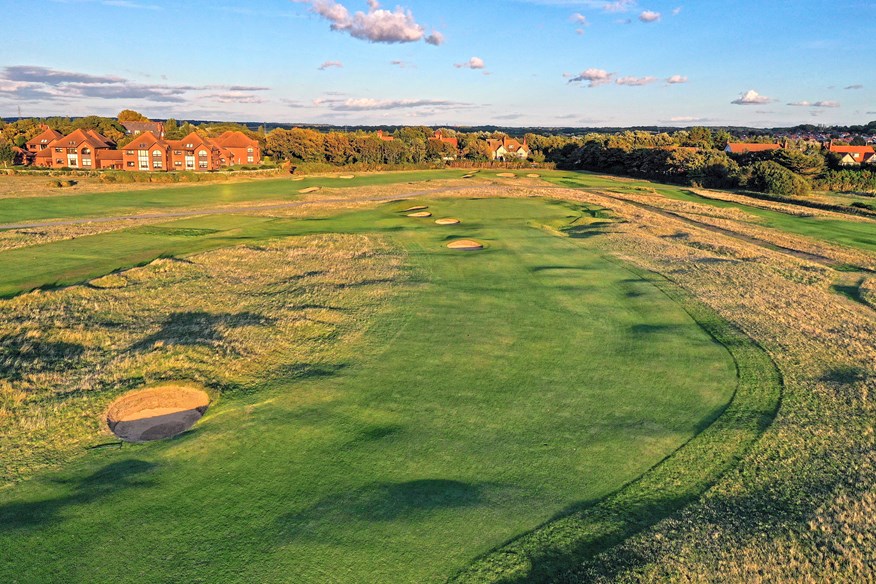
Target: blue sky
<point x="449" y="62"/>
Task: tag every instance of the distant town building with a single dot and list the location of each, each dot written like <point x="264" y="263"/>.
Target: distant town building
<point x="384" y="137"/>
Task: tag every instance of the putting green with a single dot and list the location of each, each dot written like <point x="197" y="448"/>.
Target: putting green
<point x="499" y="390"/>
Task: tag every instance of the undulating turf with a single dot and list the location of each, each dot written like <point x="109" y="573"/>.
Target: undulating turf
<point x="55" y="206"/>
<point x="857" y="234"/>
<point x="501" y="389"/>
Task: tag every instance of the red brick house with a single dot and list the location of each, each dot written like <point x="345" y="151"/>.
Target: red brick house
<point x="146" y="152"/>
<point x="240" y="149"/>
<point x="452" y="141"/>
<point x="508" y="148"/>
<point x="195" y="153"/>
<point x="81" y="149"/>
<point x="384" y="137"/>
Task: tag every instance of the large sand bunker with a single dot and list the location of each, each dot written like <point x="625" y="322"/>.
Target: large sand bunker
<point x="465" y="245"/>
<point x="507" y="175"/>
<point x="416" y="208"/>
<point x="447" y="221"/>
<point x="347" y="176"/>
<point x="156" y="413"/>
<point x="420" y="214"/>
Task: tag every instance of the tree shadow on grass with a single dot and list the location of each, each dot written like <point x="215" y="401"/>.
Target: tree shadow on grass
<point x="110" y="479"/>
<point x="198" y="328"/>
<point x="22" y="355"/>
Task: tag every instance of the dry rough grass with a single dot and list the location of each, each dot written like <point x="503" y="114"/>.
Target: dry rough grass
<point x="17" y="238"/>
<point x="249" y="311"/>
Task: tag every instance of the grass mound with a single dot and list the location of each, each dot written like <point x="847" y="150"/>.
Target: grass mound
<point x="157" y="412"/>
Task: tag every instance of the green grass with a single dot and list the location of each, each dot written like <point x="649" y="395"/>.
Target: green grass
<point x="857" y="234"/>
<point x="54" y="206"/>
<point x="501" y="389"/>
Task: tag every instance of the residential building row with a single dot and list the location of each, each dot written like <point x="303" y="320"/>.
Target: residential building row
<point x="849" y="155"/>
<point x="89" y="150"/>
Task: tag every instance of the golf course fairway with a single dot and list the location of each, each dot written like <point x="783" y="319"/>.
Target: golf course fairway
<point x="497" y="390"/>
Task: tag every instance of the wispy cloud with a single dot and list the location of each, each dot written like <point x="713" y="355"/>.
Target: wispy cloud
<point x="368" y="104"/>
<point x="820" y="104"/>
<point x="378" y="25"/>
<point x="676" y="79"/>
<point x="751" y="97"/>
<point x="855" y="86"/>
<point x="330" y="65"/>
<point x="635" y="81"/>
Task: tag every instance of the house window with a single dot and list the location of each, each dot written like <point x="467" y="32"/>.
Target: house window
<point x="156" y="153"/>
<point x="202" y="164"/>
<point x="190" y="145"/>
<point x="86" y="151"/>
<point x="250" y="150"/>
<point x="177" y="152"/>
<point x="177" y="163"/>
<point x="131" y="164"/>
<point x="157" y="164"/>
<point x="202" y="154"/>
<point x="59" y="149"/>
<point x="86" y="162"/>
<point x="129" y="152"/>
<point x="143" y="157"/>
<point x="250" y="159"/>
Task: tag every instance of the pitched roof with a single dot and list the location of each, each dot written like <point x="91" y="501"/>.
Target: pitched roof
<point x="194" y="139"/>
<point x="111" y="155"/>
<point x="145" y="142"/>
<point x="77" y="137"/>
<point x="510" y="144"/>
<point x="141" y="127"/>
<point x="743" y="147"/>
<point x="46" y="137"/>
<point x="99" y="137"/>
<point x="860" y="150"/>
<point x="235" y="139"/>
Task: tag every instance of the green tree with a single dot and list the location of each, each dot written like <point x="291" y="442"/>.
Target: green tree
<point x="773" y="178"/>
<point x="7" y="154"/>
<point x="171" y="130"/>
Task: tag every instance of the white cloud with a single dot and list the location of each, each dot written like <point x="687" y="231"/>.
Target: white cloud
<point x="677" y="10"/>
<point x="579" y="19"/>
<point x="676" y="79"/>
<point x="635" y="81"/>
<point x="593" y="77"/>
<point x="357" y="104"/>
<point x="649" y="16"/>
<point x="377" y="25"/>
<point x="473" y="63"/>
<point x="330" y="64"/>
<point x="751" y="97"/>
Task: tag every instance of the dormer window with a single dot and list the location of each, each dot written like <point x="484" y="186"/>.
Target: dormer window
<point x="190" y="145"/>
<point x="142" y="144"/>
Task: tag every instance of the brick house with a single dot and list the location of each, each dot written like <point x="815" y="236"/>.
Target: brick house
<point x="146" y="152"/>
<point x="42" y="141"/>
<point x="240" y="149"/>
<point x="137" y="128"/>
<point x="854" y="155"/>
<point x="81" y="149"/>
<point x="195" y="153"/>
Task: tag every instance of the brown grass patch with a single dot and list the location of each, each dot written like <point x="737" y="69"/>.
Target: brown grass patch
<point x="157" y="412"/>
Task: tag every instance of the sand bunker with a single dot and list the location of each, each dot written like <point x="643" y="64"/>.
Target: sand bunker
<point x="156" y="413"/>
<point x="468" y="176"/>
<point x="507" y="175"/>
<point x="297" y="178"/>
<point x="465" y="245"/>
<point x="416" y="208"/>
<point x="533" y="175"/>
<point x="347" y="176"/>
<point x="448" y="221"/>
<point x="420" y="214"/>
<point x="308" y="190"/>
